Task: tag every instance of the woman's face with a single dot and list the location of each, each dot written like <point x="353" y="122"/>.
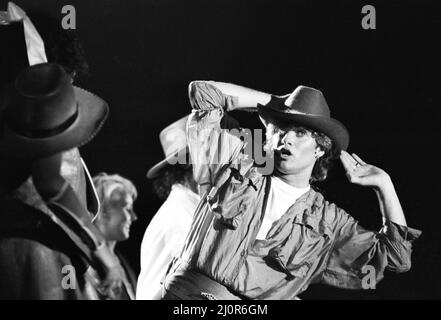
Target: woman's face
<point x="117" y="216"/>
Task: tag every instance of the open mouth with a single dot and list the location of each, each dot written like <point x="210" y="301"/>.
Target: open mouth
<point x="283" y="152"/>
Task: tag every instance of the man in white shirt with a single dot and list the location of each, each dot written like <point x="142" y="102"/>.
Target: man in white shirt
<point x="165" y="235"/>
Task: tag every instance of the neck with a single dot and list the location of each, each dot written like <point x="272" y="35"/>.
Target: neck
<point x="191" y="184"/>
<point x="111" y="245"/>
<point x="297" y="180"/>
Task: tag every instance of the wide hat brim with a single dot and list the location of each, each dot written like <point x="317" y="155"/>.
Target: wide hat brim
<point x="178" y="157"/>
<point x="181" y="156"/>
<point x="92" y="113"/>
<point x="333" y="128"/>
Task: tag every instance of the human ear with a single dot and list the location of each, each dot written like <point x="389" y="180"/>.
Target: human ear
<point x="318" y="153"/>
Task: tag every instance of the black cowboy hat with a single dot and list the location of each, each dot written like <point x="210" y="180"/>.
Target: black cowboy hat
<point x="305" y="106"/>
<point x="47" y="114"/>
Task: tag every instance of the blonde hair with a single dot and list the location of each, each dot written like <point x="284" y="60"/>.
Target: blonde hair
<point x="106" y="184"/>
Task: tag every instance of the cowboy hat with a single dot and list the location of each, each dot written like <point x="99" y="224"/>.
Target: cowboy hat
<point x="305" y="106"/>
<point x="47" y="114"/>
<point x="173" y="140"/>
<point x="25" y="47"/>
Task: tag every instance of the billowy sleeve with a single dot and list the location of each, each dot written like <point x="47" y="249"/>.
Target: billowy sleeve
<point x="212" y="147"/>
<point x="358" y="252"/>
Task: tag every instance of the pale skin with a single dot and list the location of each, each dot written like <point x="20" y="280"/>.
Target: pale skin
<point x="295" y="166"/>
<point x="295" y="153"/>
<point x="116" y="221"/>
<point x="364" y="174"/>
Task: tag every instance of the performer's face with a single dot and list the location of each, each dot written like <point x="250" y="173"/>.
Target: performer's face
<point x="295" y="151"/>
<point x="118" y="215"/>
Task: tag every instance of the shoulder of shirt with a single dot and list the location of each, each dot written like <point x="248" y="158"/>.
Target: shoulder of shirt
<point x="173" y="207"/>
<point x="329" y="211"/>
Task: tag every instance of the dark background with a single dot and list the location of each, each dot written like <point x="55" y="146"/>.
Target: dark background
<point x="382" y="84"/>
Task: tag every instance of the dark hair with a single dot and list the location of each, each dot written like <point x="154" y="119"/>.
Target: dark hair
<point x="178" y="173"/>
<point x="62" y="46"/>
<point x="324" y="163"/>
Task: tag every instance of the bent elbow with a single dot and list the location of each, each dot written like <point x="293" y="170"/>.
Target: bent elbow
<point x="401" y="266"/>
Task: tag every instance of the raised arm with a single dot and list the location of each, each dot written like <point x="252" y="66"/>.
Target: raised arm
<point x="362" y="173"/>
<point x="212" y="146"/>
<point x="358" y="252"/>
<point x="247" y="99"/>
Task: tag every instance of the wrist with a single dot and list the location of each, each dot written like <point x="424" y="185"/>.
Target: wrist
<point x="385" y="184"/>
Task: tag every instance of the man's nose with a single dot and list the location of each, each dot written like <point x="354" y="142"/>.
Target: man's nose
<point x="283" y="140"/>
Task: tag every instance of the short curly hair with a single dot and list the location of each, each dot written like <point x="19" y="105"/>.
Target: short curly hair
<point x="324" y="163"/>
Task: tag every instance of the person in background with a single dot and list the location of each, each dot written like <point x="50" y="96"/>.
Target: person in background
<point x="47" y="193"/>
<point x="115" y="217"/>
<point x="165" y="235"/>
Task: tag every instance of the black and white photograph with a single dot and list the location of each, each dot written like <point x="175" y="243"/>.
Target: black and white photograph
<point x="220" y="150"/>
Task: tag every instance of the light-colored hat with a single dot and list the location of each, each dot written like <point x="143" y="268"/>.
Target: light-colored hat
<point x="174" y="143"/>
<point x="173" y="140"/>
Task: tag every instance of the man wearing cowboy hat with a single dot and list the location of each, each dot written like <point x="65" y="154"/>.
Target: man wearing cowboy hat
<point x="47" y="117"/>
<point x="270" y="235"/>
<point x="46" y="221"/>
<point x="165" y="235"/>
<point x="172" y="180"/>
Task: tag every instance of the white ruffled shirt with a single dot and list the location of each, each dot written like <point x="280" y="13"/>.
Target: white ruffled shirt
<point x="281" y="197"/>
<point x="164" y="239"/>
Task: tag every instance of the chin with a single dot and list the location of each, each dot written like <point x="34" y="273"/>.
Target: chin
<point x="126" y="237"/>
<point x="285" y="170"/>
<point x="282" y="168"/>
<point x="123" y="237"/>
<point x="278" y="169"/>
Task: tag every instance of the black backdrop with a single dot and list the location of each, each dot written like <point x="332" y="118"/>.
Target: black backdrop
<point x="383" y="84"/>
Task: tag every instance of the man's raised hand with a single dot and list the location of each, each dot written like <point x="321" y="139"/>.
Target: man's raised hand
<point x="362" y="173"/>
